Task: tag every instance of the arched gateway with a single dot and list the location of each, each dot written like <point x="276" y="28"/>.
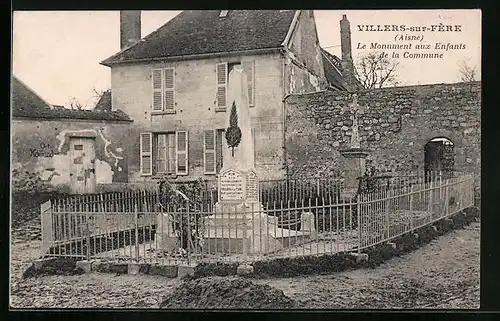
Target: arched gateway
<point x="439" y="156"/>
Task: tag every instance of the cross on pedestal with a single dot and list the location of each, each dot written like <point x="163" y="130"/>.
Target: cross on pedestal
<point x="355" y="109"/>
<point x="354" y="155"/>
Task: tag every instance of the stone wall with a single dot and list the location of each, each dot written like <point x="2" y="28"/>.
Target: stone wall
<point x="396" y="126"/>
<point x="41" y="147"/>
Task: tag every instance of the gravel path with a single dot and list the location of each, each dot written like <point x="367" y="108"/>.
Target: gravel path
<point x="443" y="274"/>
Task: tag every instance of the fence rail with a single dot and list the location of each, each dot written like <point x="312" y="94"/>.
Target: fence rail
<point x="293" y="218"/>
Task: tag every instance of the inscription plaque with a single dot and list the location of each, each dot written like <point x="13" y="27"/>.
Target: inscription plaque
<point x="231" y="186"/>
<point x="252" y="186"/>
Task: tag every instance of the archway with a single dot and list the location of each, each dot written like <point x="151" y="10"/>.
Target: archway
<point x="439" y="157"/>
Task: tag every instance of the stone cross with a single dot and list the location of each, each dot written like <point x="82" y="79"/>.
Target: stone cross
<point x="355" y="109"/>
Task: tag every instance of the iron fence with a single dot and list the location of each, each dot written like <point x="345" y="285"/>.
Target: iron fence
<point x="293" y="218"/>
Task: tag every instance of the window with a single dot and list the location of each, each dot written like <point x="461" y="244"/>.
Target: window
<point x="164" y="153"/>
<point x="163" y="83"/>
<point x="212" y="150"/>
<point x="222" y="75"/>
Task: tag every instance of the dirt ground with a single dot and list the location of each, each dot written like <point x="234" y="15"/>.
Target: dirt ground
<point x="443" y="274"/>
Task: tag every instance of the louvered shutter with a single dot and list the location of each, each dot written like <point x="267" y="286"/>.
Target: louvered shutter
<point x="169" y="88"/>
<point x="156" y="81"/>
<point x="146" y="146"/>
<point x="221" y="79"/>
<point x="182" y="152"/>
<point x="209" y="151"/>
<point x="249" y="67"/>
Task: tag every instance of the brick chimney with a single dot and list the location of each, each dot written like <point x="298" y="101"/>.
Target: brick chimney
<point x="130" y="28"/>
<point x="347" y="62"/>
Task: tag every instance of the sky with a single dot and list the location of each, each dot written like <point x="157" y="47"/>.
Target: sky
<point x="57" y="53"/>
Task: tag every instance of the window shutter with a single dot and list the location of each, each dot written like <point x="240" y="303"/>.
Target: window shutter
<point x="156" y="81"/>
<point x="146" y="145"/>
<point x="209" y="151"/>
<point x="169" y="87"/>
<point x="182" y="152"/>
<point x="249" y="67"/>
<point x="221" y="79"/>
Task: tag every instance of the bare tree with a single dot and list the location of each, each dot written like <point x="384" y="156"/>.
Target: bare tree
<point x="376" y="70"/>
<point x="75" y="104"/>
<point x="468" y="73"/>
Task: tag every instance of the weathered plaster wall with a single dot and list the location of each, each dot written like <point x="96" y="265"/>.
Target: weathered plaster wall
<point x="395" y="127"/>
<point x="195" y="95"/>
<point x="41" y="147"/>
<point x="304" y="71"/>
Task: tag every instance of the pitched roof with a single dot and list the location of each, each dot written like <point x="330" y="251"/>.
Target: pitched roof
<point x="333" y="69"/>
<point x="24" y="99"/>
<point x="27" y="104"/>
<point x="195" y="32"/>
<point x="104" y="102"/>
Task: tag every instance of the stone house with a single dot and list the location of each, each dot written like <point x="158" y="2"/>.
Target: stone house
<point x="77" y="151"/>
<point x="173" y="84"/>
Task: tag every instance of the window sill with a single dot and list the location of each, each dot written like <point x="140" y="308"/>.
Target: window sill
<point x="163" y="175"/>
<point x="220" y="109"/>
<point x="165" y="112"/>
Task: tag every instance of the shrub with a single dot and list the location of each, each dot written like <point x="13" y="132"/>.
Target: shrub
<point x="29" y="182"/>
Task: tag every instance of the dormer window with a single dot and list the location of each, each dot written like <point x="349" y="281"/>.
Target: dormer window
<point x="223" y="13"/>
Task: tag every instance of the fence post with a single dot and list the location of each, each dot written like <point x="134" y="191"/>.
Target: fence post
<point x="88" y="233"/>
<point x="136" y="222"/>
<point x="359" y="200"/>
<point x="430" y="191"/>
<point x="446" y="195"/>
<point x="410" y="207"/>
<point x="46" y="225"/>
<point x="387" y="204"/>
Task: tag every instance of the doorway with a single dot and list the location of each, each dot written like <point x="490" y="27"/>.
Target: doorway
<point x="82" y="172"/>
<point x="439" y="157"/>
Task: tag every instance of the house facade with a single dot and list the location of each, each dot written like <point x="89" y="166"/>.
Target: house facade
<point x="173" y="85"/>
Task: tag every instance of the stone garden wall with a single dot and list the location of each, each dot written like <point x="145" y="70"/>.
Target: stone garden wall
<point x="396" y="125"/>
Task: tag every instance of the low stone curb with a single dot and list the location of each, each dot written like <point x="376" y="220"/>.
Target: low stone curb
<point x="85" y="266"/>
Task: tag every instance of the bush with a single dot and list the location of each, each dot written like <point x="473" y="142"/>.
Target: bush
<point x="25" y="181"/>
<point x="25" y="205"/>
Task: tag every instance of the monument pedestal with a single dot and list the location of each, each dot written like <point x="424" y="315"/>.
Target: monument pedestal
<point x="354" y="168"/>
<point x="239" y="224"/>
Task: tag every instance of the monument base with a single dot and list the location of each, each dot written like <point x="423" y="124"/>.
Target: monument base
<point x="251" y="231"/>
<point x="354" y="168"/>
